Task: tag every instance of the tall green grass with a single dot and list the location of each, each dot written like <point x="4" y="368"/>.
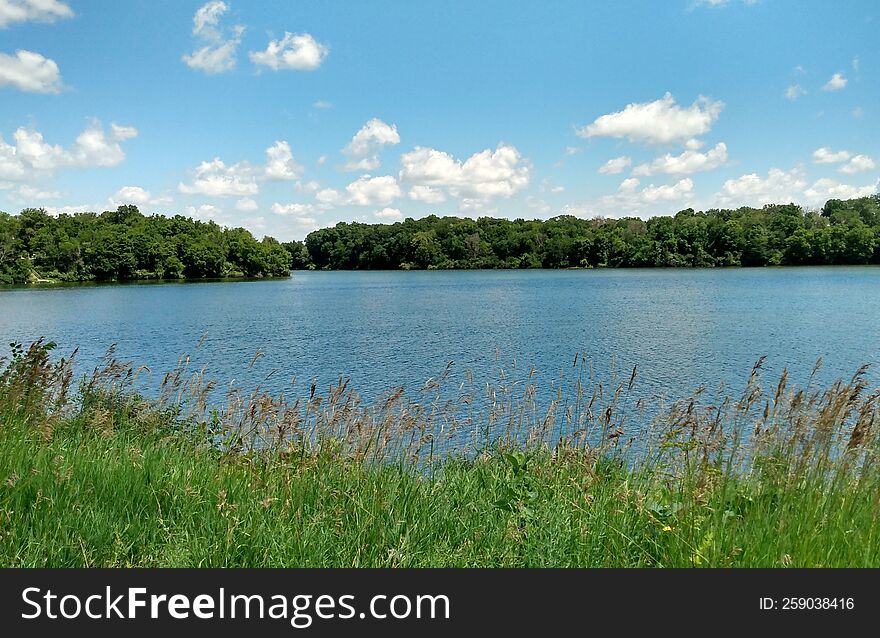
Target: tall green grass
<point x="92" y="474"/>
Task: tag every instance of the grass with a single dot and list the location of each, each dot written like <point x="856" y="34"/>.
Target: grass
<point x="92" y="474"/>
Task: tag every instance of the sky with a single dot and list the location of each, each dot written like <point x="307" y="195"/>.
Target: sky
<point x="287" y="116"/>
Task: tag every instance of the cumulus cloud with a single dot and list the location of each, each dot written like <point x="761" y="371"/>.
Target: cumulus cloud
<point x="630" y="199"/>
<point x="372" y="191"/>
<point x="295" y="51"/>
<point x="422" y="193"/>
<point x="310" y="186"/>
<point x="29" y="71"/>
<point x="27" y="195"/>
<point x="299" y="217"/>
<point x="72" y="209"/>
<point x="859" y="164"/>
<point x="205" y="212"/>
<point x="219" y="45"/>
<point x="659" y="122"/>
<point x="292" y="209"/>
<point x="837" y="82"/>
<point x="778" y="187"/>
<point x="246" y="205"/>
<point x="484" y="175"/>
<point x="280" y="164"/>
<point x="30" y="156"/>
<point x="548" y="187"/>
<point x="825" y="155"/>
<point x="615" y="165"/>
<point x="12" y="11"/>
<point x="687" y="163"/>
<point x="824" y="189"/>
<point x="364" y="148"/>
<point x="216" y="179"/>
<point x="365" y="191"/>
<point x="794" y="91"/>
<point x="131" y="195"/>
<point x="297" y="222"/>
<point x="137" y="196"/>
<point x="388" y="214"/>
<point x="121" y="133"/>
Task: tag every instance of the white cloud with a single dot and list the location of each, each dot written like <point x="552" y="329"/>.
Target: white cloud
<point x="499" y="173"/>
<point x="205" y="212"/>
<point x="280" y="164"/>
<point x="615" y="165"/>
<point x="825" y="189"/>
<point x="666" y="192"/>
<point x="29" y="71"/>
<point x="329" y="197"/>
<point x="855" y="64"/>
<point x="373" y="191"/>
<point x="12" y="11"/>
<point x="837" y="82"/>
<point x="220" y="45"/>
<point x="779" y="187"/>
<point x="538" y="205"/>
<point x="422" y="193"/>
<point x="215" y="179"/>
<point x="246" y="205"/>
<point x="794" y="91"/>
<point x="296" y="51"/>
<point x="859" y="164"/>
<point x="388" y="214"/>
<point x="659" y="122"/>
<point x="308" y="187"/>
<point x="130" y="195"/>
<point x="137" y="196"/>
<point x="72" y="209"/>
<point x="632" y="200"/>
<point x="121" y="133"/>
<point x="687" y="163"/>
<point x="294" y="209"/>
<point x="95" y="148"/>
<point x="548" y="187"/>
<point x="825" y="155"/>
<point x="30" y="156"/>
<point x="858" y="112"/>
<point x="35" y="193"/>
<point x="321" y="104"/>
<point x="299" y="226"/>
<point x="363" y="149"/>
<point x="299" y="218"/>
<point x="365" y="191"/>
<point x="26" y="195"/>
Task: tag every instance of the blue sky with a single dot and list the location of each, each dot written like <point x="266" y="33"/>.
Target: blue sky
<point x="284" y="116"/>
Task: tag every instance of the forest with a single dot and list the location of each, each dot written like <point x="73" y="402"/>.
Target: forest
<point x="842" y="232"/>
<point x="125" y="244"/>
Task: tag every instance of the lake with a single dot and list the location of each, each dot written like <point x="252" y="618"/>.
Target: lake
<point x="683" y="328"/>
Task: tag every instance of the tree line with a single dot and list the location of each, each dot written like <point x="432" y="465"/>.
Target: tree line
<point x="842" y="232"/>
<point x="125" y="244"/>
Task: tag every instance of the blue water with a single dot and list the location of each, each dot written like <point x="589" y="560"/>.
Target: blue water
<point x="683" y="328"/>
